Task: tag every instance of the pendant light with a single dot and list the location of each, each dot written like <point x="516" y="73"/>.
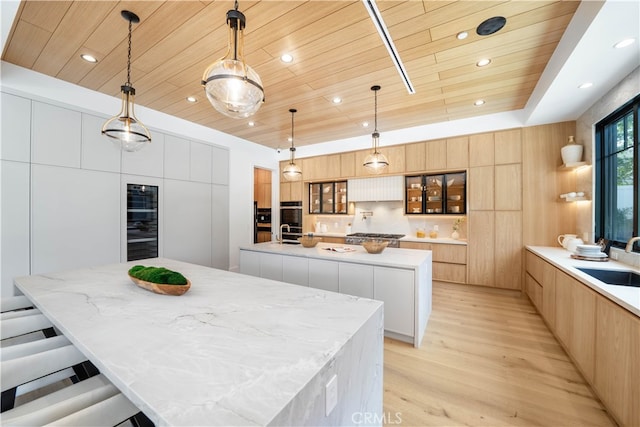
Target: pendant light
<point x="375" y="162"/>
<point x="292" y="172"/>
<point x="233" y="87"/>
<point x="125" y="129"/>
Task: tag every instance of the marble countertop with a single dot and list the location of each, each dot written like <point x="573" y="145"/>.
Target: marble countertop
<point x="390" y="257"/>
<point x="407" y="238"/>
<point x="233" y="350"/>
<point x="626" y="296"/>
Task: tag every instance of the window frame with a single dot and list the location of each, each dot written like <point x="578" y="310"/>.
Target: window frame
<point x="600" y="214"/>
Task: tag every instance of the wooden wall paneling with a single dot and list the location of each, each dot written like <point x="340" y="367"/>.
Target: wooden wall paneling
<point x="508" y="249"/>
<point x="480" y="248"/>
<point x="617" y="354"/>
<point x="508" y="185"/>
<point x="508" y="146"/>
<point x="544" y="217"/>
<point x="481" y="150"/>
<point x="415" y="157"/>
<point x="458" y="153"/>
<point x="347" y="165"/>
<point x="436" y="155"/>
<point x="481" y="188"/>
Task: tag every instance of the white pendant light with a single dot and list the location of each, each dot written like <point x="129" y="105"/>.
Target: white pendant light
<point x="233" y="87"/>
<point x="375" y="162"/>
<point x="292" y="172"/>
<point x="125" y="129"/>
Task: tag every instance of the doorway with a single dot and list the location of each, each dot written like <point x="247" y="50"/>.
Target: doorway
<point x="262" y="230"/>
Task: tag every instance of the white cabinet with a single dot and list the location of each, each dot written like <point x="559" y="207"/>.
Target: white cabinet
<point x="14" y="229"/>
<point x="149" y="161"/>
<point x="176" y="157"/>
<point x="271" y="266"/>
<point x="220" y="227"/>
<point x="187" y="221"/>
<point x="219" y="165"/>
<point x="98" y="151"/>
<point x="356" y="279"/>
<point x="75" y="218"/>
<point x="295" y="270"/>
<point x="55" y="135"/>
<point x="200" y="169"/>
<point x="395" y="288"/>
<point x="250" y="263"/>
<point x="15" y="133"/>
<point x="323" y="275"/>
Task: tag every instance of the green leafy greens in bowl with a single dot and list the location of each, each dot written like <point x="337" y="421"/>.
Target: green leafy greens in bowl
<point x="159" y="275"/>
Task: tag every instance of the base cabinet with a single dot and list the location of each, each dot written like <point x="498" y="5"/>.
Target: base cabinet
<point x="395" y="287"/>
<point x="323" y="275"/>
<point x="295" y="270"/>
<point x="356" y="280"/>
<point x="449" y="261"/>
<point x="602" y="338"/>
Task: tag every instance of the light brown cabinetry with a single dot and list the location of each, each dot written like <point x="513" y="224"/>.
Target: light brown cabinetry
<point x="262" y="187"/>
<point x="332" y="239"/>
<point x="458" y="152"/>
<point x="449" y="262"/>
<point x="601" y="337"/>
<point x="617" y="361"/>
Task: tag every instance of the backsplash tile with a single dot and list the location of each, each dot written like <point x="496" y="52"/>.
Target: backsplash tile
<point x="632" y="258"/>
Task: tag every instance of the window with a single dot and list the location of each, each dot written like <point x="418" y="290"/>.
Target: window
<point x="617" y="187"/>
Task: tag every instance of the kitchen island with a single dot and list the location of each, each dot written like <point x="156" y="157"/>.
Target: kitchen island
<point x="233" y="350"/>
<point x="401" y="278"/>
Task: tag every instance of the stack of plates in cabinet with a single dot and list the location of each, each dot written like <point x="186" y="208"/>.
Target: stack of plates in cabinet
<point x="590" y="253"/>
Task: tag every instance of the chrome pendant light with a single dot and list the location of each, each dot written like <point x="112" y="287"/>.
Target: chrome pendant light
<point x="292" y="172"/>
<point x="125" y="129"/>
<point x="375" y="162"/>
<point x="233" y="87"/>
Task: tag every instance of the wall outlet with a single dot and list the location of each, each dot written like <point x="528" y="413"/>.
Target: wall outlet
<point x="331" y="395"/>
<point x="614" y="255"/>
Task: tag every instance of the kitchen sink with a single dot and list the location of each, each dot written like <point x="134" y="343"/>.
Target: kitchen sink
<point x="614" y="277"/>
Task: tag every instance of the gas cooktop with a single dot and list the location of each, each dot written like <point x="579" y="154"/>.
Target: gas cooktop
<point x="376" y="235"/>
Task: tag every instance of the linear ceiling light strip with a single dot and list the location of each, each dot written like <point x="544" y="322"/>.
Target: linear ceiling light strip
<point x="372" y="8"/>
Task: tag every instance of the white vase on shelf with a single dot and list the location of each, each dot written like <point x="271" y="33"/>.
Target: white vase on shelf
<point x="455" y="235"/>
<point x="572" y="152"/>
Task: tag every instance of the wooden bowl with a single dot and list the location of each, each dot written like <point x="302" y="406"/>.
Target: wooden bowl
<point x="309" y="242"/>
<point x="162" y="289"/>
<point x="374" y="247"/>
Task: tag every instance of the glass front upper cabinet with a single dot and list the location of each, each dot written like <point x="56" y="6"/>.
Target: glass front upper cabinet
<point x="328" y="197"/>
<point x="436" y="194"/>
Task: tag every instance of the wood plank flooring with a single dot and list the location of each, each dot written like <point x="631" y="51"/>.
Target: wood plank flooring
<point x="487" y="359"/>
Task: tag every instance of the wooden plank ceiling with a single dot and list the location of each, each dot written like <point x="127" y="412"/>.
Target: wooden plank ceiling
<point x="336" y="48"/>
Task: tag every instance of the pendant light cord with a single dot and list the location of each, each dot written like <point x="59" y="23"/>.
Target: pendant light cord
<point x="129" y="57"/>
<point x="292" y="149"/>
<point x="375" y="116"/>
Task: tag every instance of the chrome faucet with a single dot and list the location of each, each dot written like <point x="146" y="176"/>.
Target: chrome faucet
<point x="288" y="231"/>
<point x="630" y="244"/>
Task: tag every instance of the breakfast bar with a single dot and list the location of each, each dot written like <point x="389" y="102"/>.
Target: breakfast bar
<point x="233" y="350"/>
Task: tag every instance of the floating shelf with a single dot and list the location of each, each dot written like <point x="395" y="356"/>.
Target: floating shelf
<point x="575" y="199"/>
<point x="572" y="166"/>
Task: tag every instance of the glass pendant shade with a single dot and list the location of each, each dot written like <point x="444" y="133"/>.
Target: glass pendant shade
<point x="292" y="172"/>
<point x="125" y="129"/>
<point x="232" y="87"/>
<point x="375" y="162"/>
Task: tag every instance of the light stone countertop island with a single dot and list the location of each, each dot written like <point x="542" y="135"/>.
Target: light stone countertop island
<point x="233" y="350"/>
<point x="401" y="278"/>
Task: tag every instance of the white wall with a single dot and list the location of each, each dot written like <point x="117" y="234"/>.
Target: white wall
<point x="93" y="108"/>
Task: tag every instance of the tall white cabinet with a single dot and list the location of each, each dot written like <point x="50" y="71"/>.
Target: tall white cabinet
<point x="64" y="192"/>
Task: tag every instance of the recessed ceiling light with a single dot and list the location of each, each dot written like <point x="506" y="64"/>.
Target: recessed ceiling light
<point x="479" y="102"/>
<point x="624" y="43"/>
<point x="286" y="58"/>
<point x="483" y="62"/>
<point x="192" y="99"/>
<point x="89" y="58"/>
<point x="365" y="124"/>
<point x="251" y="124"/>
<point x="337" y="100"/>
<point x="462" y="35"/>
<point x="585" y="85"/>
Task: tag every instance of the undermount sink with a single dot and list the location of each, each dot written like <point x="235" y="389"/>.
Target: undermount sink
<point x="614" y="277"/>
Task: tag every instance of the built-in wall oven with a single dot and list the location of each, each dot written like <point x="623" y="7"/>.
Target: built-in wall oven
<point x="291" y="215"/>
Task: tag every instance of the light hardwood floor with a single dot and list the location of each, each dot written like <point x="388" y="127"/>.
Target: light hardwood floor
<point x="487" y="359"/>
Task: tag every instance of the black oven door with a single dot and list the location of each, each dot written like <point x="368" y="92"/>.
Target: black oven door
<point x="291" y="214"/>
